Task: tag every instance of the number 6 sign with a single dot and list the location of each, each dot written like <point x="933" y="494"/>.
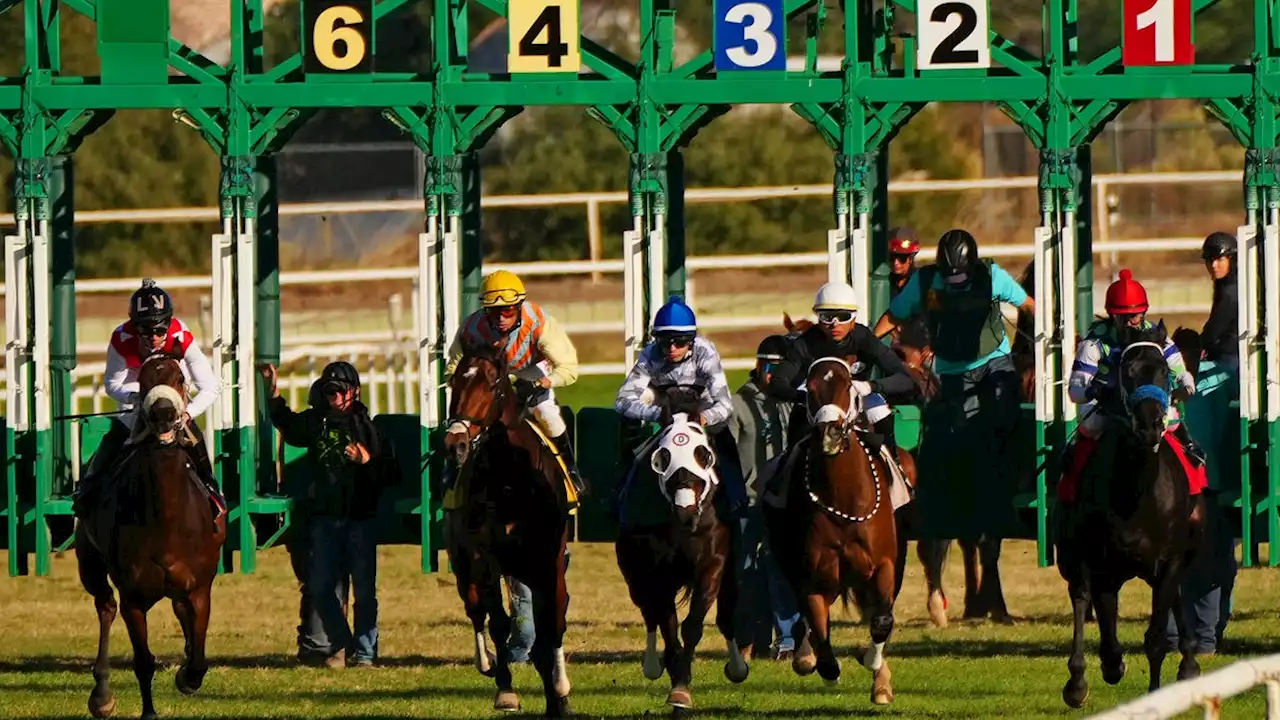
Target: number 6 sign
<point x="1158" y="32"/>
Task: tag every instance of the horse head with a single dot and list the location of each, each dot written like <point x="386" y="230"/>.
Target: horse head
<point x="830" y="402"/>
<point x="1144" y="382"/>
<point x="163" y="390"/>
<point x="683" y="463"/>
<point x="1191" y="346"/>
<point x="482" y="395"/>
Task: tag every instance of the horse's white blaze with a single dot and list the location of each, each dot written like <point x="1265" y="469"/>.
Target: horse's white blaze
<point x="482" y="654"/>
<point x="652" y="664"/>
<point x="737" y="668"/>
<point x="827" y="378"/>
<point x="163" y="392"/>
<point x="560" y="674"/>
<point x="458" y="427"/>
<point x="828" y="413"/>
<point x="873" y="658"/>
<point x="471" y="372"/>
<point x="685" y="498"/>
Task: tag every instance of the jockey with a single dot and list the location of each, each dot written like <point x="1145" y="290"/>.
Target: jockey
<point x="151" y="328"/>
<point x="839" y="334"/>
<point x="538" y="353"/>
<point x="1093" y="382"/>
<point x="904" y="245"/>
<point x="678" y="355"/>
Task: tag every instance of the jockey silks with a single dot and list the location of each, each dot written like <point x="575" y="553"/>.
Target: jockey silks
<point x="124" y="359"/>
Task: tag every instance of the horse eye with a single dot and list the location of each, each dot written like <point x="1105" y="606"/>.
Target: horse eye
<point x="704" y="457"/>
<point x="660" y="461"/>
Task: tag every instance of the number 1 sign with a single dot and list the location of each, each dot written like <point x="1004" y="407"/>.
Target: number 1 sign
<point x="1158" y="32"/>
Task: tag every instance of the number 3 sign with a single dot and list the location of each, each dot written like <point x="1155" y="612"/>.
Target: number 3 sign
<point x="953" y="34"/>
<point x="750" y="35"/>
<point x="1158" y="32"/>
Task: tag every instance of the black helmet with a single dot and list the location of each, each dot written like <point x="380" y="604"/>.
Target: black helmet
<point x="339" y="375"/>
<point x="150" y="306"/>
<point x="1218" y="245"/>
<point x="957" y="252"/>
<point x="772" y="348"/>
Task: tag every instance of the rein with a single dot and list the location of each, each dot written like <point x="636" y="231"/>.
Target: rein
<point x="813" y="497"/>
<point x="847" y="424"/>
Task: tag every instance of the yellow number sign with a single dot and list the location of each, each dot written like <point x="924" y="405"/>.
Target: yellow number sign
<point x="338" y="35"/>
<point x="543" y="36"/>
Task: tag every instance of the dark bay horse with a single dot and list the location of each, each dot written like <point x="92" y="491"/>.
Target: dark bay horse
<point x="150" y="538"/>
<point x="836" y="536"/>
<point x="513" y="522"/>
<point x="690" y="553"/>
<point x="1133" y="516"/>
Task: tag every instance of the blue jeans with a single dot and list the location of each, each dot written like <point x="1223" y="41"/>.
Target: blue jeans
<point x="763" y="589"/>
<point x="520" y="642"/>
<point x="311" y="636"/>
<point x="1207" y="586"/>
<point x="341" y="549"/>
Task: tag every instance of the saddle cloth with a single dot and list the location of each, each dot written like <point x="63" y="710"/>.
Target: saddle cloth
<point x="456" y="496"/>
<point x="1086" y="448"/>
<point x="777" y="480"/>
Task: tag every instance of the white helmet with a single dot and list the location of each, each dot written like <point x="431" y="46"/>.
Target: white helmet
<point x="836" y="296"/>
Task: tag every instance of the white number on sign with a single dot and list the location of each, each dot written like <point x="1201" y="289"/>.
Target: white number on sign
<point x="758" y="18"/>
<point x="1160" y="15"/>
<point x="946" y="52"/>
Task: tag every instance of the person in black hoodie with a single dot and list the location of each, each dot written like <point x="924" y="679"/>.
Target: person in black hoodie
<point x="351" y="461"/>
<point x="1219" y="335"/>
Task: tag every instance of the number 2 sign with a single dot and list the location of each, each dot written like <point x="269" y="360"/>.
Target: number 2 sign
<point x="1158" y="32"/>
<point x="953" y="34"/>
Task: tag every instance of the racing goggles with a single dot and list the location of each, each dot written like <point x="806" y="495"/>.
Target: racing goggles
<point x="503" y="311"/>
<point x="831" y="317"/>
<point x="679" y="341"/>
<point x="506" y="296"/>
<point x="152" y="331"/>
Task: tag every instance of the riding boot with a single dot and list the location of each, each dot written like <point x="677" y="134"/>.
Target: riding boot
<point x="565" y="449"/>
<point x="1194" y="451"/>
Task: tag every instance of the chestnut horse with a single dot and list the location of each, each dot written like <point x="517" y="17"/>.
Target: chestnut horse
<point x="514" y="521"/>
<point x="836" y="534"/>
<point x="150" y="537"/>
<point x="689" y="552"/>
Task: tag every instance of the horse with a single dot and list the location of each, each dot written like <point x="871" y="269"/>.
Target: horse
<point x="691" y="551"/>
<point x="150" y="538"/>
<point x="836" y="535"/>
<point x="513" y="521"/>
<point x="1138" y="518"/>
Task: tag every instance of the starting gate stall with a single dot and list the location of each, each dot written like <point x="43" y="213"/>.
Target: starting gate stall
<point x="655" y="107"/>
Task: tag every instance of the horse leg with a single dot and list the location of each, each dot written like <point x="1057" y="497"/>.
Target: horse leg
<point x="550" y="608"/>
<point x="1189" y="667"/>
<point x="492" y="606"/>
<point x="933" y="556"/>
<point x="691" y="635"/>
<point x="900" y="565"/>
<point x="193" y="616"/>
<point x="1164" y="597"/>
<point x="990" y="589"/>
<point x="820" y="629"/>
<point x="672" y="652"/>
<point x="1076" y="691"/>
<point x="1106" y="601"/>
<point x="736" y="668"/>
<point x="974" y="601"/>
<point x="93" y="576"/>
<point x="881" y="606"/>
<point x="144" y="663"/>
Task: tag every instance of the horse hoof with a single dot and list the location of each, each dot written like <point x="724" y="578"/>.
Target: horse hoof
<point x="882" y="686"/>
<point x="506" y="701"/>
<point x="680" y="698"/>
<point x="736" y="676"/>
<point x="1188" y="670"/>
<point x="559" y="707"/>
<point x="103" y="710"/>
<point x="1113" y="674"/>
<point x="803" y="665"/>
<point x="881" y="696"/>
<point x="937" y="606"/>
<point x="184" y="686"/>
<point x="1075" y="697"/>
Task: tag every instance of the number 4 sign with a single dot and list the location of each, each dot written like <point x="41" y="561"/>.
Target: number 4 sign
<point x="1158" y="32"/>
<point x="543" y="36"/>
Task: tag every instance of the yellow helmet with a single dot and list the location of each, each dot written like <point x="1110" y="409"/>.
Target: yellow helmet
<point x="501" y="288"/>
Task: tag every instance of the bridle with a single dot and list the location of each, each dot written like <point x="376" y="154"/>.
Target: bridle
<point x="1142" y="392"/>
<point x="482" y="425"/>
<point x="847" y="422"/>
<point x="845" y="419"/>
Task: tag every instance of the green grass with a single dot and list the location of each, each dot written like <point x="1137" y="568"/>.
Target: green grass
<point x="967" y="670"/>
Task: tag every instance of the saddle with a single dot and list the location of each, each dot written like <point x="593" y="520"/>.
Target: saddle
<point x="456" y="496"/>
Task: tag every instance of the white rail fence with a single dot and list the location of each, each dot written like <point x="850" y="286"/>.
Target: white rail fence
<point x="1206" y="692"/>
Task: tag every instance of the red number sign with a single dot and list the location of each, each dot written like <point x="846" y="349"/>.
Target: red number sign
<point x="1158" y="32"/>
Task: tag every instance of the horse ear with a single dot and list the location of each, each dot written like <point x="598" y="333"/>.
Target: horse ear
<point x="788" y="323"/>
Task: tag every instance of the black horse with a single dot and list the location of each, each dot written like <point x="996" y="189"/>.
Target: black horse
<point x="1133" y="516"/>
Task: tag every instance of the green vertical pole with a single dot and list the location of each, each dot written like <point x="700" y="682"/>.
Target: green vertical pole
<point x="63" y="314"/>
<point x="878" y="295"/>
<point x="677" y="250"/>
<point x="266" y="317"/>
<point x="1252" y="204"/>
<point x="472" y="252"/>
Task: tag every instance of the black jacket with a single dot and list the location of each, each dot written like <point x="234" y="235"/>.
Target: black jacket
<point x="1220" y="330"/>
<point x="338" y="487"/>
<point x="869" y="353"/>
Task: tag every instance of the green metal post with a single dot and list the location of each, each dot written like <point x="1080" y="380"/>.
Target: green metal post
<point x="673" y="194"/>
<point x="62" y="356"/>
<point x="266" y="346"/>
<point x="878" y="294"/>
<point x="466" y="169"/>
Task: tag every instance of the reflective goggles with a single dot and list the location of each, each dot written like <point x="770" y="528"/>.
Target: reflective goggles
<point x="831" y="317"/>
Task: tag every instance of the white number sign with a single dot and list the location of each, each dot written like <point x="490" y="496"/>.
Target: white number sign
<point x="952" y="34"/>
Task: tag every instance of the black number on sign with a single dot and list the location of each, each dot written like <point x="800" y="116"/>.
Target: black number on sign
<point x="946" y="53"/>
<point x="554" y="50"/>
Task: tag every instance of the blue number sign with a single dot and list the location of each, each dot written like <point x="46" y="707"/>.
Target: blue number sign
<point x="750" y="35"/>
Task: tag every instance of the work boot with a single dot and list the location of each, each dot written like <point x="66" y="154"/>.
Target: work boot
<point x="565" y="449"/>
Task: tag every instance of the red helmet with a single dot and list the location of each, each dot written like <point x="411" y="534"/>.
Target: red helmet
<point x="903" y="241"/>
<point x="1126" y="296"/>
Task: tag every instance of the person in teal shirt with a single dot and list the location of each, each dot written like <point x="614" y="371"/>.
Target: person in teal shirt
<point x="964" y="457"/>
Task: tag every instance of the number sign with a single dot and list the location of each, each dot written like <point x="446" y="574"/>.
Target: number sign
<point x="1158" y="32"/>
<point x="750" y="35"/>
<point x="952" y="34"/>
<point x="543" y="35"/>
<point x="337" y="36"/>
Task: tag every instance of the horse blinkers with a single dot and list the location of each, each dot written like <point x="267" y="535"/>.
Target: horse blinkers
<point x="1147" y="425"/>
<point x="683" y="464"/>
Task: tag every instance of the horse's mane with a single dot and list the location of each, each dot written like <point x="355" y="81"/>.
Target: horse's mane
<point x="485" y="351"/>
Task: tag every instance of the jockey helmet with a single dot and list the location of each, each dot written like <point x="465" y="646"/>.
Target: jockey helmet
<point x="903" y="241"/>
<point x="339" y="376"/>
<point x="836" y="296"/>
<point x="675" y="319"/>
<point x="501" y="288"/>
<point x="1126" y="296"/>
<point x="772" y="348"/>
<point x="957" y="254"/>
<point x="1218" y="245"/>
<point x="150" y="306"/>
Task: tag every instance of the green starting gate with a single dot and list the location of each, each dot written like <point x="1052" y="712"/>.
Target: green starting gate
<point x="655" y="106"/>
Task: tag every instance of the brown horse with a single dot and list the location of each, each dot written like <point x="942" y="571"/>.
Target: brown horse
<point x="836" y="535"/>
<point x="689" y="552"/>
<point x="513" y="522"/>
<point x="150" y="538"/>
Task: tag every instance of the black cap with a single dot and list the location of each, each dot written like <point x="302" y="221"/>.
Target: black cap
<point x="773" y="347"/>
<point x="339" y="375"/>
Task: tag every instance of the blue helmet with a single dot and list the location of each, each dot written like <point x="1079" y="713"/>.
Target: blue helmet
<point x="674" y="319"/>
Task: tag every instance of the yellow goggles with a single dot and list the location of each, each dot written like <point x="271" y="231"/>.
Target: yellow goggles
<point x="506" y="296"/>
